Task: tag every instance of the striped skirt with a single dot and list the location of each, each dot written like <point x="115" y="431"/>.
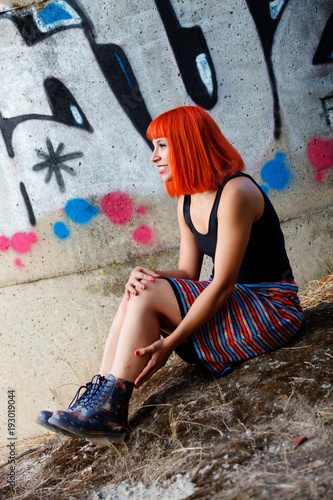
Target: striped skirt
<point x="257" y="318"/>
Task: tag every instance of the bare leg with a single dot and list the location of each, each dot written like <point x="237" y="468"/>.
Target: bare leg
<point x="137" y="324"/>
<point x="112" y="340"/>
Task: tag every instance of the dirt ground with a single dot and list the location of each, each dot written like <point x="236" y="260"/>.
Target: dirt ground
<point x="263" y="432"/>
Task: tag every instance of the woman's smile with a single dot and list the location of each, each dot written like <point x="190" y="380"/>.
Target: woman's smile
<point x="162" y="168"/>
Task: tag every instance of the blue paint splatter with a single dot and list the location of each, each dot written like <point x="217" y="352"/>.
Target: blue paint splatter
<point x="53" y="13"/>
<point x="275" y="7"/>
<point x="56" y="15"/>
<point x="60" y="230"/>
<point x="276" y="172"/>
<point x="80" y="211"/>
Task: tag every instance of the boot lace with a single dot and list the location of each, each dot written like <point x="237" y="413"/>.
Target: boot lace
<point x="89" y="389"/>
<point x="102" y="390"/>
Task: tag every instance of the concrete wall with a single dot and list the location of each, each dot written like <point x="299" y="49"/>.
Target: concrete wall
<point x="80" y="202"/>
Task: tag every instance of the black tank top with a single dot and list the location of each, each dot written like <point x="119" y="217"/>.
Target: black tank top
<point x="265" y="258"/>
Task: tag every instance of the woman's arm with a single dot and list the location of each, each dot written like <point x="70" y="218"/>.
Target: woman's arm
<point x="241" y="204"/>
<point x="190" y="261"/>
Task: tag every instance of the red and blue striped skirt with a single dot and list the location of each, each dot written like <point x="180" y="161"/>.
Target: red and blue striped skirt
<point x="257" y="318"/>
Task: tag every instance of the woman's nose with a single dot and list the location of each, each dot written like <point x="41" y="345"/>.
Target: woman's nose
<point x="154" y="156"/>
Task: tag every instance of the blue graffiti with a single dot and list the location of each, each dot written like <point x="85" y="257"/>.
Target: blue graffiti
<point x="57" y="14"/>
<point x="80" y="211"/>
<point x="276" y="172"/>
<point x="275" y="7"/>
<point x="124" y="71"/>
<point x="60" y="229"/>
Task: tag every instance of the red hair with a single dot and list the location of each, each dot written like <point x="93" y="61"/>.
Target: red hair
<point x="200" y="156"/>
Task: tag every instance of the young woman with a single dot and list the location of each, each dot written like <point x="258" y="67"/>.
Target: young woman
<point x="248" y="306"/>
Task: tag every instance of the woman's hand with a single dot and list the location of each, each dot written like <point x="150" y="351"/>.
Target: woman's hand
<point x="136" y="279"/>
<point x="159" y="354"/>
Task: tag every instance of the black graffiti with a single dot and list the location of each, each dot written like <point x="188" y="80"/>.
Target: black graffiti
<point x="26" y="199"/>
<point x="112" y="60"/>
<point x="30" y="33"/>
<point x="266" y="26"/>
<point x="191" y="52"/>
<point x="118" y="73"/>
<point x="64" y="108"/>
<point x="54" y="163"/>
<point x="120" y="77"/>
<point x="327" y="104"/>
<point x="324" y="52"/>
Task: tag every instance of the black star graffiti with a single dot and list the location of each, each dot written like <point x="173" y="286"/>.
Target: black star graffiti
<point x="54" y="161"/>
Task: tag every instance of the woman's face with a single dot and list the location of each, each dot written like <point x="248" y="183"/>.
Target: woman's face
<point x="160" y="157"/>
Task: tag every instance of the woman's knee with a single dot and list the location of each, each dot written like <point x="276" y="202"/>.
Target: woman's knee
<point x="158" y="297"/>
<point x="150" y="296"/>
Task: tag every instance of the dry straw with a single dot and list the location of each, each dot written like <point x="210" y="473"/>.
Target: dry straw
<point x="318" y="292"/>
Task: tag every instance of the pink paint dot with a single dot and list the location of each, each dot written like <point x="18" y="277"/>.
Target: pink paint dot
<point x="141" y="210"/>
<point x="320" y="153"/>
<point x="32" y="237"/>
<point x="18" y="263"/>
<point x="4" y="243"/>
<point x="21" y="242"/>
<point x="117" y="207"/>
<point x="143" y="235"/>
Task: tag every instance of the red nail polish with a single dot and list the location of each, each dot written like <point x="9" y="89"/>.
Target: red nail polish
<point x="152" y="279"/>
<point x="137" y="353"/>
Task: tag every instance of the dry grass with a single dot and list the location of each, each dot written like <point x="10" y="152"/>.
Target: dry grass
<point x="318" y="292"/>
<point x="263" y="432"/>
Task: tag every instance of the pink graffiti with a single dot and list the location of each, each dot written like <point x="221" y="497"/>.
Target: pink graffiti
<point x="143" y="235"/>
<point x="320" y="153"/>
<point x="117" y="207"/>
<point x="21" y="242"/>
<point x="141" y="210"/>
<point x="18" y="263"/>
<point x="4" y="243"/>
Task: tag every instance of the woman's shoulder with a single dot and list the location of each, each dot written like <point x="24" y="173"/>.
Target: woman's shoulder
<point x="243" y="192"/>
<point x="241" y="185"/>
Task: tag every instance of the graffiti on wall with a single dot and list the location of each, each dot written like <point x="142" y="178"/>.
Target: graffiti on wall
<point x="21" y="243"/>
<point x="67" y="139"/>
<point x="267" y="16"/>
<point x="117" y="207"/>
<point x="60" y="15"/>
<point x="192" y="55"/>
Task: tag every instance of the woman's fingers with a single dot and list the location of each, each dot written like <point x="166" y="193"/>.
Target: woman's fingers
<point x="137" y="278"/>
<point x="158" y="357"/>
<point x="149" y="272"/>
<point x="145" y="274"/>
<point x="146" y="373"/>
<point x="144" y="350"/>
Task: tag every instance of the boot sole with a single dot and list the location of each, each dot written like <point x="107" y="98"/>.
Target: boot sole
<point x="53" y="428"/>
<point x="101" y="439"/>
<point x="105" y="441"/>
